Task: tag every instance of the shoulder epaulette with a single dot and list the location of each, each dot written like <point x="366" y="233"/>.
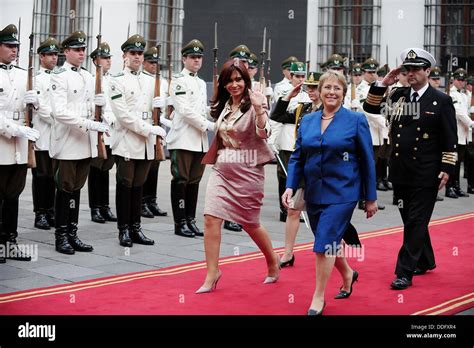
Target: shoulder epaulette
<point x="178" y="75"/>
<point x="19" y="67"/>
<point x="83" y="68"/>
<point x="148" y="74"/>
<point x="60" y="70"/>
<point x="118" y="74"/>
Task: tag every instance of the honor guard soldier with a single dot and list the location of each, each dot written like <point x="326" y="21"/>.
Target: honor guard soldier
<point x="188" y="139"/>
<point x="283" y="134"/>
<point x="335" y="63"/>
<point x="435" y="77"/>
<point x="356" y="76"/>
<point x="382" y="72"/>
<point x="242" y="52"/>
<point x="149" y="206"/>
<point x="284" y="86"/>
<point x="134" y="138"/>
<point x="14" y="136"/>
<point x="423" y="136"/>
<point x="98" y="179"/>
<point x="469" y="156"/>
<point x="464" y="126"/>
<point x="253" y="69"/>
<point x="43" y="187"/>
<point x="73" y="139"/>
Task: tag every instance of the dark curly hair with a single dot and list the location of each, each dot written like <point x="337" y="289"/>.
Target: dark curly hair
<point x="221" y="97"/>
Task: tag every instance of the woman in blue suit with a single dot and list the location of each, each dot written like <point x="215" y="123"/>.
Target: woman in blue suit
<point x="334" y="155"/>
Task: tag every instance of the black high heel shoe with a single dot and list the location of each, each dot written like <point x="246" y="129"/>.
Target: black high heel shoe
<point x="344" y="294"/>
<point x="315" y="312"/>
<point x="290" y="262"/>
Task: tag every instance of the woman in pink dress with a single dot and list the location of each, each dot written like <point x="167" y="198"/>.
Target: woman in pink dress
<point x="236" y="184"/>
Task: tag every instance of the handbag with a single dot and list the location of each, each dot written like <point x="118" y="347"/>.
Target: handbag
<point x="297" y="202"/>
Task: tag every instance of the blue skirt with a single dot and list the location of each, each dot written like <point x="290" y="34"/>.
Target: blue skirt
<point x="328" y="223"/>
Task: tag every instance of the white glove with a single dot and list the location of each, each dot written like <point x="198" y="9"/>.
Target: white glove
<point x="27" y="132"/>
<point x="31" y="97"/>
<point x="97" y="126"/>
<point x="355" y="104"/>
<point x="169" y="101"/>
<point x="99" y="99"/>
<point x="268" y="91"/>
<point x="210" y="125"/>
<point x="159" y="102"/>
<point x="166" y="122"/>
<point x="471" y="110"/>
<point x="157" y="130"/>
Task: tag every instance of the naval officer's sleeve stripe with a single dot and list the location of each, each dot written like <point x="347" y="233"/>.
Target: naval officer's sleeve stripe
<point x="116" y="96"/>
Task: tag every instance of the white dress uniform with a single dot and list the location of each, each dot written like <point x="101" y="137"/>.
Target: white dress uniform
<point x="107" y="113"/>
<point x="42" y="118"/>
<point x="464" y="122"/>
<point x="377" y="122"/>
<point x="14" y="150"/>
<point x="72" y="100"/>
<point x="281" y="89"/>
<point x="190" y="123"/>
<point x="131" y="95"/>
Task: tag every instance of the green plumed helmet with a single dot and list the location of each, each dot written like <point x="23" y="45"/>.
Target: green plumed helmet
<point x="134" y="43"/>
<point x="460" y="74"/>
<point x="151" y="55"/>
<point x="50" y="45"/>
<point x="241" y="51"/>
<point x="9" y="35"/>
<point x="298" y="68"/>
<point x="357" y="69"/>
<point x="435" y="73"/>
<point x="78" y="39"/>
<point x="313" y="78"/>
<point x="286" y="64"/>
<point x="370" y="64"/>
<point x="334" y="61"/>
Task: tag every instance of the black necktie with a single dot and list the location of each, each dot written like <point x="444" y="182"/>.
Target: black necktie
<point x="413" y="97"/>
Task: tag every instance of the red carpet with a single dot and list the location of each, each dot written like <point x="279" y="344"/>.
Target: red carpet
<point x="446" y="290"/>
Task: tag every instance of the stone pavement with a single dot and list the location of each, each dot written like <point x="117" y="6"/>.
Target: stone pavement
<point x="109" y="258"/>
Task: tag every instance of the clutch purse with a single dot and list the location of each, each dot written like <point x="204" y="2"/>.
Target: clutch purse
<point x="297" y="202"/>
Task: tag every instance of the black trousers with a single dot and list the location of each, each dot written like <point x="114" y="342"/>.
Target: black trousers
<point x="43" y="187"/>
<point x="151" y="183"/>
<point x="469" y="164"/>
<point x="454" y="179"/>
<point x="416" y="206"/>
<point x="98" y="180"/>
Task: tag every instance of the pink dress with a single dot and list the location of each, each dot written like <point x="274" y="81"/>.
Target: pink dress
<point x="236" y="183"/>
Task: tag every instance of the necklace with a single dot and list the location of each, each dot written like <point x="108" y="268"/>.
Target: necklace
<point x="327" y="118"/>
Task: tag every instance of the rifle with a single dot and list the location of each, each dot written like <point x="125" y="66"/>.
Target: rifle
<point x="29" y="87"/>
<point x="269" y="83"/>
<point x="72" y="20"/>
<point x="448" y="75"/>
<point x="169" y="34"/>
<point x="19" y="38"/>
<point x="101" y="150"/>
<point x="262" y="62"/>
<point x="215" y="75"/>
<point x="308" y="61"/>
<point x="159" y="152"/>
<point x="128" y="35"/>
<point x="351" y="67"/>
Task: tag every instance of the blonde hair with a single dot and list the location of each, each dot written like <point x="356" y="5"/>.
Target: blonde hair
<point x="330" y="75"/>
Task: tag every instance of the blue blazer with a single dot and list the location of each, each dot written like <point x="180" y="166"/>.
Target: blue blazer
<point x="338" y="166"/>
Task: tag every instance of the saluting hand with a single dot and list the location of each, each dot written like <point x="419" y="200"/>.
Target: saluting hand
<point x="392" y="77"/>
<point x="293" y="93"/>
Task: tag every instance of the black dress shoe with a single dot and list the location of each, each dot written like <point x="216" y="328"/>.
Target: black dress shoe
<point x="191" y="223"/>
<point x="181" y="229"/>
<point x="470" y="189"/>
<point x="41" y="222"/>
<point x="439" y="198"/>
<point x="400" y="283"/>
<point x="107" y="214"/>
<point x="381" y="186"/>
<point x="96" y="216"/>
<point x="460" y="192"/>
<point x="146" y="211"/>
<point x="315" y="312"/>
<point x="387" y="184"/>
<point x="290" y="262"/>
<point x="421" y="271"/>
<point x="451" y="193"/>
<point x="137" y="236"/>
<point x="155" y="209"/>
<point x="343" y="293"/>
<point x="232" y="226"/>
<point x="124" y="236"/>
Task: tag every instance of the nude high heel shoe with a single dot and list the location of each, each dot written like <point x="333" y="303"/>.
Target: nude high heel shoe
<point x="271" y="280"/>
<point x="203" y="289"/>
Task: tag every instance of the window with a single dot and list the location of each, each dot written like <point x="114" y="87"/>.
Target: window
<point x="59" y="18"/>
<point x="341" y="20"/>
<point x="449" y="29"/>
<point x="161" y="21"/>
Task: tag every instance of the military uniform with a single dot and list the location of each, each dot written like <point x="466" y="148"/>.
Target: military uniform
<point x="149" y="206"/>
<point x="284" y="86"/>
<point x="356" y="71"/>
<point x="469" y="156"/>
<point x="98" y="179"/>
<point x="133" y="143"/>
<point x="14" y="138"/>
<point x="424" y="144"/>
<point x="464" y="126"/>
<point x="73" y="143"/>
<point x="283" y="134"/>
<point x="187" y="142"/>
<point x="43" y="187"/>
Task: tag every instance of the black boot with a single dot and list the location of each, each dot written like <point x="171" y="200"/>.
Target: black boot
<point x="450" y="192"/>
<point x="154" y="208"/>
<point x="192" y="192"/>
<point x="123" y="197"/>
<point x="96" y="216"/>
<point x="145" y="211"/>
<point x="39" y="191"/>
<point x="104" y="209"/>
<point x="459" y="191"/>
<point x="9" y="231"/>
<point x="61" y="216"/>
<point x="136" y="232"/>
<point x="107" y="214"/>
<point x="50" y="194"/>
<point x="41" y="221"/>
<point x="232" y="226"/>
<point x="95" y="190"/>
<point x="73" y="239"/>
<point x="178" y="196"/>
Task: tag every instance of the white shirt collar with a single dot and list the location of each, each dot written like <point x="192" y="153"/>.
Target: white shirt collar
<point x="420" y="92"/>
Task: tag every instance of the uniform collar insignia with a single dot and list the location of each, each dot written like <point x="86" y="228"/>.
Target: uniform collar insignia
<point x="47" y="71"/>
<point x="73" y="68"/>
<point x="6" y="66"/>
<point x="192" y="74"/>
<point x="133" y="72"/>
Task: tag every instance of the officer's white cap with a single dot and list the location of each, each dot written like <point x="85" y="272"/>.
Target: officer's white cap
<point x="417" y="57"/>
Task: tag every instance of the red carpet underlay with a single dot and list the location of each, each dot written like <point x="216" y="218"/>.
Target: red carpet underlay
<point x="446" y="290"/>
